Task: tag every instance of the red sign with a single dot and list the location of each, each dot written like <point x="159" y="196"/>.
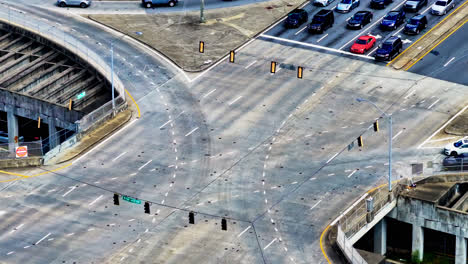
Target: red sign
<point x="22" y="152"/>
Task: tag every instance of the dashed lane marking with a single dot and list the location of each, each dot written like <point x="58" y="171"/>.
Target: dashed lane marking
<point x="245" y="230"/>
<point x="235" y="100"/>
<point x="447" y="63"/>
<point x="144" y="165"/>
<point x="116" y="158"/>
<point x="269" y="244"/>
<point x="433" y="104"/>
<point x="212" y="91"/>
<point x="315" y="205"/>
<point x="352" y="173"/>
<point x="97" y="199"/>
<point x="250" y="64"/>
<point x="302" y="29"/>
<point x="189" y="133"/>
<point x="40" y="240"/>
<point x="399" y="133"/>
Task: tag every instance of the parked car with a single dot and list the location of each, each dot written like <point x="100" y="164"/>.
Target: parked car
<point x="80" y="3"/>
<point x="360" y="19"/>
<point x="363" y="44"/>
<point x="4" y="137"/>
<point x="393" y="20"/>
<point x="389" y="49"/>
<point x="322" y="2"/>
<point x="456" y="148"/>
<point x="459" y="162"/>
<point x="321" y="21"/>
<point x="414" y="5"/>
<point x="415" y="25"/>
<point x="441" y="7"/>
<point x="296" y="18"/>
<point x="347" y="5"/>
<point x="151" y="3"/>
<point x="380" y="4"/>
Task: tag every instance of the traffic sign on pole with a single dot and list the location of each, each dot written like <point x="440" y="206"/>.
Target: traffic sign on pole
<point x="131" y="200"/>
<point x="22" y="152"/>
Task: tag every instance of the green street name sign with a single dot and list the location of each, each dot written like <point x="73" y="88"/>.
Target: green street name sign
<point x="81" y="95"/>
<point x="130" y="199"/>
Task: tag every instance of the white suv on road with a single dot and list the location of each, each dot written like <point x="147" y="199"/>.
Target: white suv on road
<point x="456" y="148"/>
<point x="441" y="7"/>
<point x="322" y="2"/>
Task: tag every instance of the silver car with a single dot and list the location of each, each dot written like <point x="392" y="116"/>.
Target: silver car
<point x="80" y="3"/>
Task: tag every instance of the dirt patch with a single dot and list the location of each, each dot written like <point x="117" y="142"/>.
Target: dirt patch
<point x="177" y="35"/>
<point x="459" y="126"/>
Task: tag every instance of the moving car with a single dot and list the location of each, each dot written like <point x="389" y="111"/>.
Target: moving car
<point x="363" y="44"/>
<point x="322" y="2"/>
<point x="393" y="20"/>
<point x="347" y="5"/>
<point x="296" y="18"/>
<point x="321" y="21"/>
<point x="389" y="49"/>
<point x="415" y="25"/>
<point x="456" y="148"/>
<point x="441" y="7"/>
<point x="459" y="162"/>
<point x="360" y="19"/>
<point x="380" y="4"/>
<point x="80" y="3"/>
<point x="414" y="5"/>
<point x="151" y="3"/>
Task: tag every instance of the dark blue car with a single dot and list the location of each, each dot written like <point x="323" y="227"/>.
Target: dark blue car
<point x="296" y="18"/>
<point x="389" y="49"/>
<point x="393" y="20"/>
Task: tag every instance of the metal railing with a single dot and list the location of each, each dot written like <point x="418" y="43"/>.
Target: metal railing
<point x="8" y="150"/>
<point x="349" y="251"/>
<point x="99" y="114"/>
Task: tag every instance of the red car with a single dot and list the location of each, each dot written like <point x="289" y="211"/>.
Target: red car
<point x="363" y="44"/>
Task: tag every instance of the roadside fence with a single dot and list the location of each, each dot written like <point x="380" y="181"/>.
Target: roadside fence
<point x="9" y="150"/>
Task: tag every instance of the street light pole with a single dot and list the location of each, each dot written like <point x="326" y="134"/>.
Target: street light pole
<point x="390" y="136"/>
<point x="112" y="76"/>
<point x="202" y="7"/>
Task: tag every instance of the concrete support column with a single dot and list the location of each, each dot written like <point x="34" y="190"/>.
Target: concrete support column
<point x="12" y="120"/>
<point x="460" y="250"/>
<point x="380" y="237"/>
<point x="53" y="137"/>
<point x="418" y="241"/>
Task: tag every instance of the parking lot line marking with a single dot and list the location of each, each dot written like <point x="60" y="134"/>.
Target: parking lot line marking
<point x="302" y="29"/>
<point x="351" y="174"/>
<point x="235" y="100"/>
<point x="116" y="158"/>
<point x="250" y="64"/>
<point x="189" y="133"/>
<point x="97" y="199"/>
<point x="445" y="65"/>
<point x="433" y="104"/>
<point x="144" y="165"/>
<point x="210" y="92"/>
<point x="40" y="240"/>
<point x="245" y="230"/>
<point x="269" y="244"/>
<point x="441" y="139"/>
<point x="317" y="46"/>
<point x="399" y="133"/>
<point x="315" y="204"/>
<point x="320" y="39"/>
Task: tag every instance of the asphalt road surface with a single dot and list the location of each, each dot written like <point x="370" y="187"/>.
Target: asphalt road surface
<point x="449" y="60"/>
<point x="266" y="151"/>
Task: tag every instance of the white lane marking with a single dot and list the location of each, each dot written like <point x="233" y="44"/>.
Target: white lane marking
<point x="40" y="240"/>
<point x="97" y="199"/>
<point x="447" y="63"/>
<point x="131" y="220"/>
<point x="316" y="204"/>
<point x="16" y="228"/>
<point x="103" y="142"/>
<point x="250" y="64"/>
<point x="51" y="190"/>
<point x="146" y="231"/>
<point x="11" y="252"/>
<point x="50" y="239"/>
<point x="349" y="209"/>
<point x="235" y="100"/>
<point x="328" y="161"/>
<point x="331" y="174"/>
<point x="399" y="133"/>
<point x="193" y="130"/>
<point x="348" y="170"/>
<point x="302" y="29"/>
<point x="91" y="229"/>
<point x="144" y="165"/>
<point x="317" y="46"/>
<point x="367" y="167"/>
<point x="433" y="104"/>
<point x="116" y="158"/>
<point x="139" y="240"/>
<point x="71" y="234"/>
<point x="351" y="174"/>
<point x="320" y="39"/>
<point x="409" y="94"/>
<point x="71" y="189"/>
<point x="163" y="125"/>
<point x="245" y="230"/>
<point x="212" y="91"/>
<point x="295" y="182"/>
<point x="269" y="244"/>
<point x="28" y="246"/>
<point x="441" y="139"/>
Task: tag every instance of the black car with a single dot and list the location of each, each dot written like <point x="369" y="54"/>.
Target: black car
<point x="360" y="19"/>
<point x="296" y="18"/>
<point x="414" y="5"/>
<point x="389" y="49"/>
<point x="415" y="25"/>
<point x="380" y="4"/>
<point x="321" y="21"/>
<point x="393" y="20"/>
<point x="459" y="162"/>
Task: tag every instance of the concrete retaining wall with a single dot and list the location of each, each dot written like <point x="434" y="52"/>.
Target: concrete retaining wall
<point x="20" y="163"/>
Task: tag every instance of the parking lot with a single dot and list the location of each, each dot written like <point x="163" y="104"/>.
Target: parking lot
<point x="339" y="38"/>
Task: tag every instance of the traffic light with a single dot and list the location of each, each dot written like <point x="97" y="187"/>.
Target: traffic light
<point x="201" y="47"/>
<point x="70" y="105"/>
<point x="191" y="218"/>
<point x="147" y="207"/>
<point x="273" y="67"/>
<point x="376" y="126"/>
<point x="224" y="224"/>
<point x="116" y="199"/>
<point x="231" y="56"/>
<point x="300" y="71"/>
<point x="359" y="141"/>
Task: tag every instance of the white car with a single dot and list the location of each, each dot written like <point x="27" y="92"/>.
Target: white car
<point x="456" y="148"/>
<point x="441" y="7"/>
<point x="80" y="3"/>
<point x="322" y="2"/>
